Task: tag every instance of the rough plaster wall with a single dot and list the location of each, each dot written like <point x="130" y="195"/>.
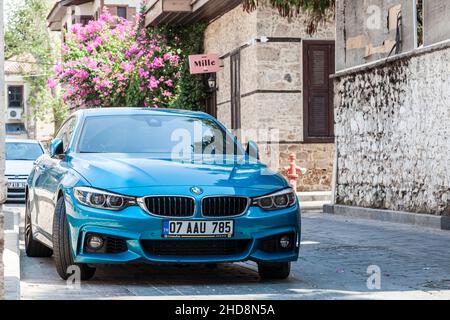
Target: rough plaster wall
<point x="393" y="135"/>
<point x="436" y="16"/>
<point x="359" y="40"/>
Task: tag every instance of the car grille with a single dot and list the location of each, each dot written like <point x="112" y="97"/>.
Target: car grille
<point x="224" y="206"/>
<point x="170" y="206"/>
<point x="195" y="248"/>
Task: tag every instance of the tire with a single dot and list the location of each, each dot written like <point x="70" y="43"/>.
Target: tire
<point x="62" y="247"/>
<point x="274" y="271"/>
<point x="33" y="248"/>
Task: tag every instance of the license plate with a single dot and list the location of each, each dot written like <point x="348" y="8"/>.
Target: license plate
<point x="16" y="185"/>
<point x="198" y="229"/>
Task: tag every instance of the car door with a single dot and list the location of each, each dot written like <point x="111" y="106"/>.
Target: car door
<point x="52" y="171"/>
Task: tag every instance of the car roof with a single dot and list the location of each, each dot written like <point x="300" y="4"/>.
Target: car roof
<point x="20" y="140"/>
<point x="140" y="111"/>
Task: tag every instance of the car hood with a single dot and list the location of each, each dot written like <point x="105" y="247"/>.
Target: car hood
<point x="18" y="167"/>
<point x="127" y="172"/>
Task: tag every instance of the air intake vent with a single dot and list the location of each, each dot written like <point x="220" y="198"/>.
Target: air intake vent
<point x="170" y="206"/>
<point x="224" y="206"/>
<point x="195" y="248"/>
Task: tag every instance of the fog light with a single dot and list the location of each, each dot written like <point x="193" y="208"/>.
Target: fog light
<point x="95" y="242"/>
<point x="285" y="242"/>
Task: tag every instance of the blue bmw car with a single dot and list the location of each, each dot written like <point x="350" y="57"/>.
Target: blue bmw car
<point x="128" y="185"/>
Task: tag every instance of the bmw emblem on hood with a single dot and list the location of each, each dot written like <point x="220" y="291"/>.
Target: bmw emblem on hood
<point x="197" y="190"/>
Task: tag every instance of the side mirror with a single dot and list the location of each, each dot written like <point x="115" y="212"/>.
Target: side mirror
<point x="56" y="148"/>
<point x="253" y="150"/>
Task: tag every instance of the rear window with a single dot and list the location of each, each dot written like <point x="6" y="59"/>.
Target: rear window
<point x="23" y="151"/>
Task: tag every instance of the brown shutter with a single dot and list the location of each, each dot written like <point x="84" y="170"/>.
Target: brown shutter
<point x="235" y="75"/>
<point x="318" y="65"/>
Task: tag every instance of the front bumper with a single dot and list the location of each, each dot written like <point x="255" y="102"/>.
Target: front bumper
<point x="142" y="232"/>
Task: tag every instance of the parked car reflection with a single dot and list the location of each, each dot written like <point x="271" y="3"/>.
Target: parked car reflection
<point x="20" y="157"/>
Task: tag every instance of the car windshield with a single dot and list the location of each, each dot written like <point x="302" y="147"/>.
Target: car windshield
<point x="177" y="135"/>
<point x="23" y="151"/>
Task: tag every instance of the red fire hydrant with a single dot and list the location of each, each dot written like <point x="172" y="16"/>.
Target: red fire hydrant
<point x="293" y="171"/>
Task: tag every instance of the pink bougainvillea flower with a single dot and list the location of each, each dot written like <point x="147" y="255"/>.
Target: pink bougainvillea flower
<point x="110" y="62"/>
<point x="92" y="64"/>
<point x="153" y="83"/>
<point x="51" y="83"/>
<point x="58" y="68"/>
<point x="127" y="66"/>
<point x="157" y="63"/>
<point x="167" y="56"/>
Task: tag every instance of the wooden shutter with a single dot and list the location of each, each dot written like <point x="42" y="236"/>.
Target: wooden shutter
<point x="318" y="65"/>
<point x="235" y="75"/>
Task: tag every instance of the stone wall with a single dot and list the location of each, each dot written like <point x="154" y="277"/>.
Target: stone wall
<point x="392" y="128"/>
<point x="271" y="86"/>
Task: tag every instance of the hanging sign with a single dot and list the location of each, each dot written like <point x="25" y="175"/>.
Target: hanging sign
<point x="204" y="63"/>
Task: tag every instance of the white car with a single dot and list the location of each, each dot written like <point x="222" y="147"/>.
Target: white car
<point x="20" y="157"/>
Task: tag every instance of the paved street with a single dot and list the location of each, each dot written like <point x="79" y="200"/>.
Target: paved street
<point x="335" y="255"/>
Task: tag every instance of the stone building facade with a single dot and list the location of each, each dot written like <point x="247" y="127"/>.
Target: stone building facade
<point x="392" y="138"/>
<point x="65" y="13"/>
<point x="271" y="87"/>
<point x="261" y="83"/>
<point x="19" y="114"/>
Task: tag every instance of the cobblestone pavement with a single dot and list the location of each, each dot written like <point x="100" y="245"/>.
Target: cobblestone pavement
<point x="335" y="255"/>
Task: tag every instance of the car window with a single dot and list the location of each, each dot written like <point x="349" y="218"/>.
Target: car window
<point x="66" y="132"/>
<point x="23" y="151"/>
<point x="155" y="134"/>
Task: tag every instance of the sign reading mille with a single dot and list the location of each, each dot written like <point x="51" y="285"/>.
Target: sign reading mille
<point x="204" y="63"/>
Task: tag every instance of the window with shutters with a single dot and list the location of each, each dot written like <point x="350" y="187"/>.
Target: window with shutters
<point x="318" y="113"/>
<point x="84" y="20"/>
<point x="235" y="75"/>
<point x="15" y="96"/>
<point x="122" y="12"/>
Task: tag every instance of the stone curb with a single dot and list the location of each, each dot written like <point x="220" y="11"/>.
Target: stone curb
<point x="11" y="255"/>
<point x="422" y="220"/>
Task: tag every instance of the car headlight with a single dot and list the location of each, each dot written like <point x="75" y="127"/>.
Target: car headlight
<point x="279" y="200"/>
<point x="102" y="200"/>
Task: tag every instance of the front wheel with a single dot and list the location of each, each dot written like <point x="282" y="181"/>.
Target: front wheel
<point x="62" y="248"/>
<point x="274" y="271"/>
